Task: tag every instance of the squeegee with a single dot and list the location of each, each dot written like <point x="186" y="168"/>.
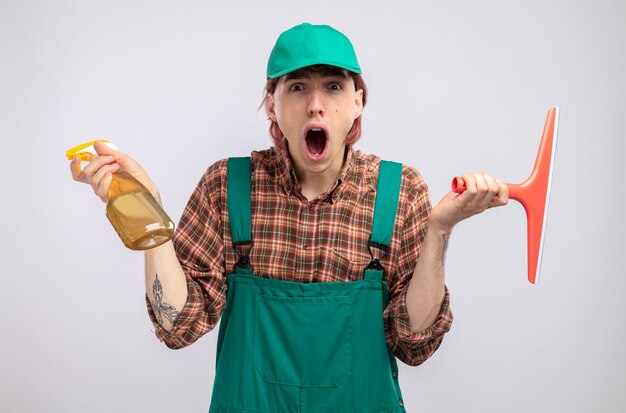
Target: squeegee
<point x="534" y="193"/>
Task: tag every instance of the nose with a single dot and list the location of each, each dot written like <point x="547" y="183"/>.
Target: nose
<point x="316" y="103"/>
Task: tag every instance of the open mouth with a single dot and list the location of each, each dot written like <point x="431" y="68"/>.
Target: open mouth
<point x="316" y="142"/>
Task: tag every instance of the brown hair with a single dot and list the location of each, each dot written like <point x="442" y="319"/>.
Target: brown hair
<point x="355" y="132"/>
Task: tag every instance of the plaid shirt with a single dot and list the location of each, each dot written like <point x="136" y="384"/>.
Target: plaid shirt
<point x="321" y="240"/>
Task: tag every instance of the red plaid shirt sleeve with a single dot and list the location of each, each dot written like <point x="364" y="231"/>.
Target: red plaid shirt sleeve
<point x="411" y="348"/>
<point x="198" y="242"/>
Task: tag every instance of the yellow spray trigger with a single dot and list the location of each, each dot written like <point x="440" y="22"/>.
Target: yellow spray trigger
<point x="86" y="152"/>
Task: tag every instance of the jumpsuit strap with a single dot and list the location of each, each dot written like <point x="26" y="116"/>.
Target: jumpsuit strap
<point x="385" y="208"/>
<point x="238" y="198"/>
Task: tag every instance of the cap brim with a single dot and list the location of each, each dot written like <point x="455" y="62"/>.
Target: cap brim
<point x="283" y="72"/>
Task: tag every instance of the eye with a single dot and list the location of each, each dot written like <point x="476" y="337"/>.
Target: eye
<point x="296" y="87"/>
<point x="335" y="86"/>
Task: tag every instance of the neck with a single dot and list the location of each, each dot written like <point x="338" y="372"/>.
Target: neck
<point x="315" y="183"/>
<point x="314" y="186"/>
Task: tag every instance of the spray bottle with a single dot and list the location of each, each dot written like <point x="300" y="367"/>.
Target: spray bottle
<point x="136" y="216"/>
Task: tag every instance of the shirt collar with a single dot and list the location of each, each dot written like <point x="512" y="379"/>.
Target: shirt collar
<point x="285" y="172"/>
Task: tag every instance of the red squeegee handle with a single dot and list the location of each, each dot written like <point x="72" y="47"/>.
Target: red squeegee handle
<point x="515" y="190"/>
<point x="458" y="185"/>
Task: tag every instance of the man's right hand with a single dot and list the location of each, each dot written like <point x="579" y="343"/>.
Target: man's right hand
<point x="98" y="173"/>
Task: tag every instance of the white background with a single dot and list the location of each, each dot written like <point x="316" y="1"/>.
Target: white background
<point x="455" y="86"/>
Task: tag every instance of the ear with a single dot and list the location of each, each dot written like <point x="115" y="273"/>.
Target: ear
<point x="358" y="101"/>
<point x="269" y="107"/>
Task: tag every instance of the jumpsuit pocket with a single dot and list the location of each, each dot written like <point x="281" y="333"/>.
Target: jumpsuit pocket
<point x="304" y="341"/>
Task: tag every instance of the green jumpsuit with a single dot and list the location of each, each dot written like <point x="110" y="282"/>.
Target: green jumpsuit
<point x="292" y="347"/>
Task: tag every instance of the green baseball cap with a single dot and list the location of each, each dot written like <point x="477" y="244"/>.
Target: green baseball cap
<point x="307" y="45"/>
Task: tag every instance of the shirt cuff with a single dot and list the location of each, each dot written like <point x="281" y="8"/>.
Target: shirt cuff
<point x="186" y="318"/>
<point x="440" y="326"/>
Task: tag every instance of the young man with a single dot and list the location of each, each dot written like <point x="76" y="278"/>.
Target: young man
<point x="322" y="280"/>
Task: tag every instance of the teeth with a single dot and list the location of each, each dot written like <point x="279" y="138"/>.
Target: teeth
<point x="316" y="130"/>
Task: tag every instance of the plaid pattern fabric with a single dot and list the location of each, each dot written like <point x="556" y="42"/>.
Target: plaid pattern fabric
<point x="322" y="240"/>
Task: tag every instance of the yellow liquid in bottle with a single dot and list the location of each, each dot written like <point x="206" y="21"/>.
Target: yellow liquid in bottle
<point x="137" y="217"/>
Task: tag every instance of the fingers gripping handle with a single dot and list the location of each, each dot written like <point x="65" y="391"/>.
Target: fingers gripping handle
<point x="86" y="152"/>
<point x="459" y="186"/>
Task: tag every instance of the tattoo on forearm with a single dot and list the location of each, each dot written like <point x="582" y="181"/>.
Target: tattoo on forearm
<point x="160" y="308"/>
<point x="445" y="247"/>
